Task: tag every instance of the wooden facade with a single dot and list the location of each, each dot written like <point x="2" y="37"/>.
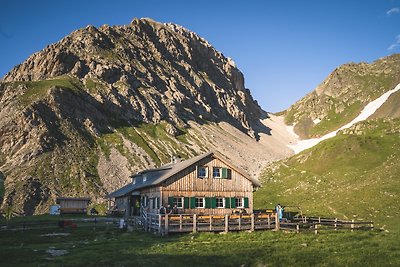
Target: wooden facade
<point x="73" y="205"/>
<point x="207" y="184"/>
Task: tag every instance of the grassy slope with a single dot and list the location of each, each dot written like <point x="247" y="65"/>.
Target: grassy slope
<point x="354" y="175"/>
<point x="367" y="84"/>
<point x="106" y="246"/>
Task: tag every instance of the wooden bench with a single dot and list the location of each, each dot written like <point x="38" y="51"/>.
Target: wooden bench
<point x="72" y="210"/>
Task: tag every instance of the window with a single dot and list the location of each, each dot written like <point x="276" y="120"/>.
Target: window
<point x="202" y="172"/>
<point x="145" y="201"/>
<point x="239" y="202"/>
<point x="178" y="201"/>
<point x="220" y="202"/>
<point x="199" y="202"/>
<point x="224" y="173"/>
<point x="217" y="172"/>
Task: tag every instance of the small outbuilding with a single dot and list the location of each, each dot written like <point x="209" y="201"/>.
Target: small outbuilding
<point x="73" y="205"/>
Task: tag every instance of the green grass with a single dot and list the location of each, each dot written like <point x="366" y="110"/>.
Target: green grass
<point x="38" y="89"/>
<point x="353" y="175"/>
<point x="107" y="246"/>
<point x="334" y="120"/>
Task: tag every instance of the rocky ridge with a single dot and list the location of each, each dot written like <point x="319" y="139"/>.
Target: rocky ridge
<point x="80" y="116"/>
<point x="343" y="94"/>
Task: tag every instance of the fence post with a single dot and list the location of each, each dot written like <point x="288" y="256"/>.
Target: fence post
<point x="210" y="222"/>
<point x="226" y="223"/>
<point x="252" y="222"/>
<point x="335" y="224"/>
<point x="180" y="223"/>
<point x="166" y="224"/>
<point x="352" y="225"/>
<point x="160" y="224"/>
<point x="240" y="221"/>
<point x="319" y="219"/>
<point x="372" y="226"/>
<point x="194" y="223"/>
<point x="269" y="221"/>
<point x="305" y="219"/>
<point x="277" y="223"/>
<point x="316" y="227"/>
<point x="297" y="228"/>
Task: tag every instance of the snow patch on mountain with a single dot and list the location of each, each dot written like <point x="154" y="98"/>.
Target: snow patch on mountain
<point x="365" y="114"/>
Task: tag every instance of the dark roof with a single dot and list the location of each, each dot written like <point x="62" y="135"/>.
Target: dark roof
<point x="73" y="199"/>
<point x="159" y="175"/>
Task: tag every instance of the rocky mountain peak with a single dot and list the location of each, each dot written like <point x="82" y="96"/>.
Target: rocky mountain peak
<point x="80" y="116"/>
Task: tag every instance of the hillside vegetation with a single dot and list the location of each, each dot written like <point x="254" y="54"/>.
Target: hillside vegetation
<point x="354" y="175"/>
<point x="343" y="94"/>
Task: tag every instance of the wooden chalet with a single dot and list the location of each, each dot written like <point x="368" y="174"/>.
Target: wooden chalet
<point x="206" y="184"/>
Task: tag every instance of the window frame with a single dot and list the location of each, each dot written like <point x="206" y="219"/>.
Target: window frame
<point x="182" y="202"/>
<point x="198" y="171"/>
<point x="223" y="203"/>
<point x="203" y="201"/>
<point x="219" y="171"/>
<point x="241" y="202"/>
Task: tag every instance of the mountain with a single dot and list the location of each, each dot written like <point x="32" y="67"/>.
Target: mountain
<point x="354" y="175"/>
<point x="343" y="94"/>
<point x="82" y="115"/>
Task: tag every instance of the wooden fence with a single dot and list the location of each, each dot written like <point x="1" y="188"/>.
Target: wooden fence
<point x="165" y="224"/>
<point x="181" y="223"/>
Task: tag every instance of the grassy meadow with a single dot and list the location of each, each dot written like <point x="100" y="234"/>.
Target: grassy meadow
<point x="108" y="246"/>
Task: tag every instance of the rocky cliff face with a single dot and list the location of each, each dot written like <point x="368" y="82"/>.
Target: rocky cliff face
<point x="80" y="116"/>
<point x="342" y="95"/>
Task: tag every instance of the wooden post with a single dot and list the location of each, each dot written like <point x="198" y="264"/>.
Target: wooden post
<point x="166" y="224"/>
<point x="352" y="225"/>
<point x="194" y="223"/>
<point x="316" y="227"/>
<point x="240" y="221"/>
<point x="305" y="219"/>
<point x="210" y="222"/>
<point x="297" y="228"/>
<point x="180" y="223"/>
<point x="226" y="223"/>
<point x="335" y="224"/>
<point x="269" y="221"/>
<point x="159" y="224"/>
<point x="145" y="224"/>
<point x="319" y="219"/>
<point x="252" y="222"/>
<point x="277" y="223"/>
<point x="372" y="226"/>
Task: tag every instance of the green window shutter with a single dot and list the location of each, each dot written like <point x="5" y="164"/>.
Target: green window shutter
<point x="224" y="173"/>
<point x="229" y="172"/>
<point x="192" y="202"/>
<point x="213" y="202"/>
<point x="227" y="202"/>
<point x="186" y="202"/>
<point x="246" y="202"/>
<point x="208" y="202"/>
<point x="171" y="201"/>
<point x="233" y="203"/>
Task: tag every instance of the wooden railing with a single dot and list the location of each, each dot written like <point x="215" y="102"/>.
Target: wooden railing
<point x="179" y="223"/>
<point x="317" y="224"/>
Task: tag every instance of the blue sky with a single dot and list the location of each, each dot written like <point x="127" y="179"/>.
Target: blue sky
<point x="284" y="48"/>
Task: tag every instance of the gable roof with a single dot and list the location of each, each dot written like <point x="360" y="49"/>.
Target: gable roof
<point x="158" y="175"/>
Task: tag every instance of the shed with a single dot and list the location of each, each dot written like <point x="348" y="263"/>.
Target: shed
<point x="73" y="205"/>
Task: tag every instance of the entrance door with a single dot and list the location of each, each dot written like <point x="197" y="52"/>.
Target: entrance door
<point x="134" y="203"/>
